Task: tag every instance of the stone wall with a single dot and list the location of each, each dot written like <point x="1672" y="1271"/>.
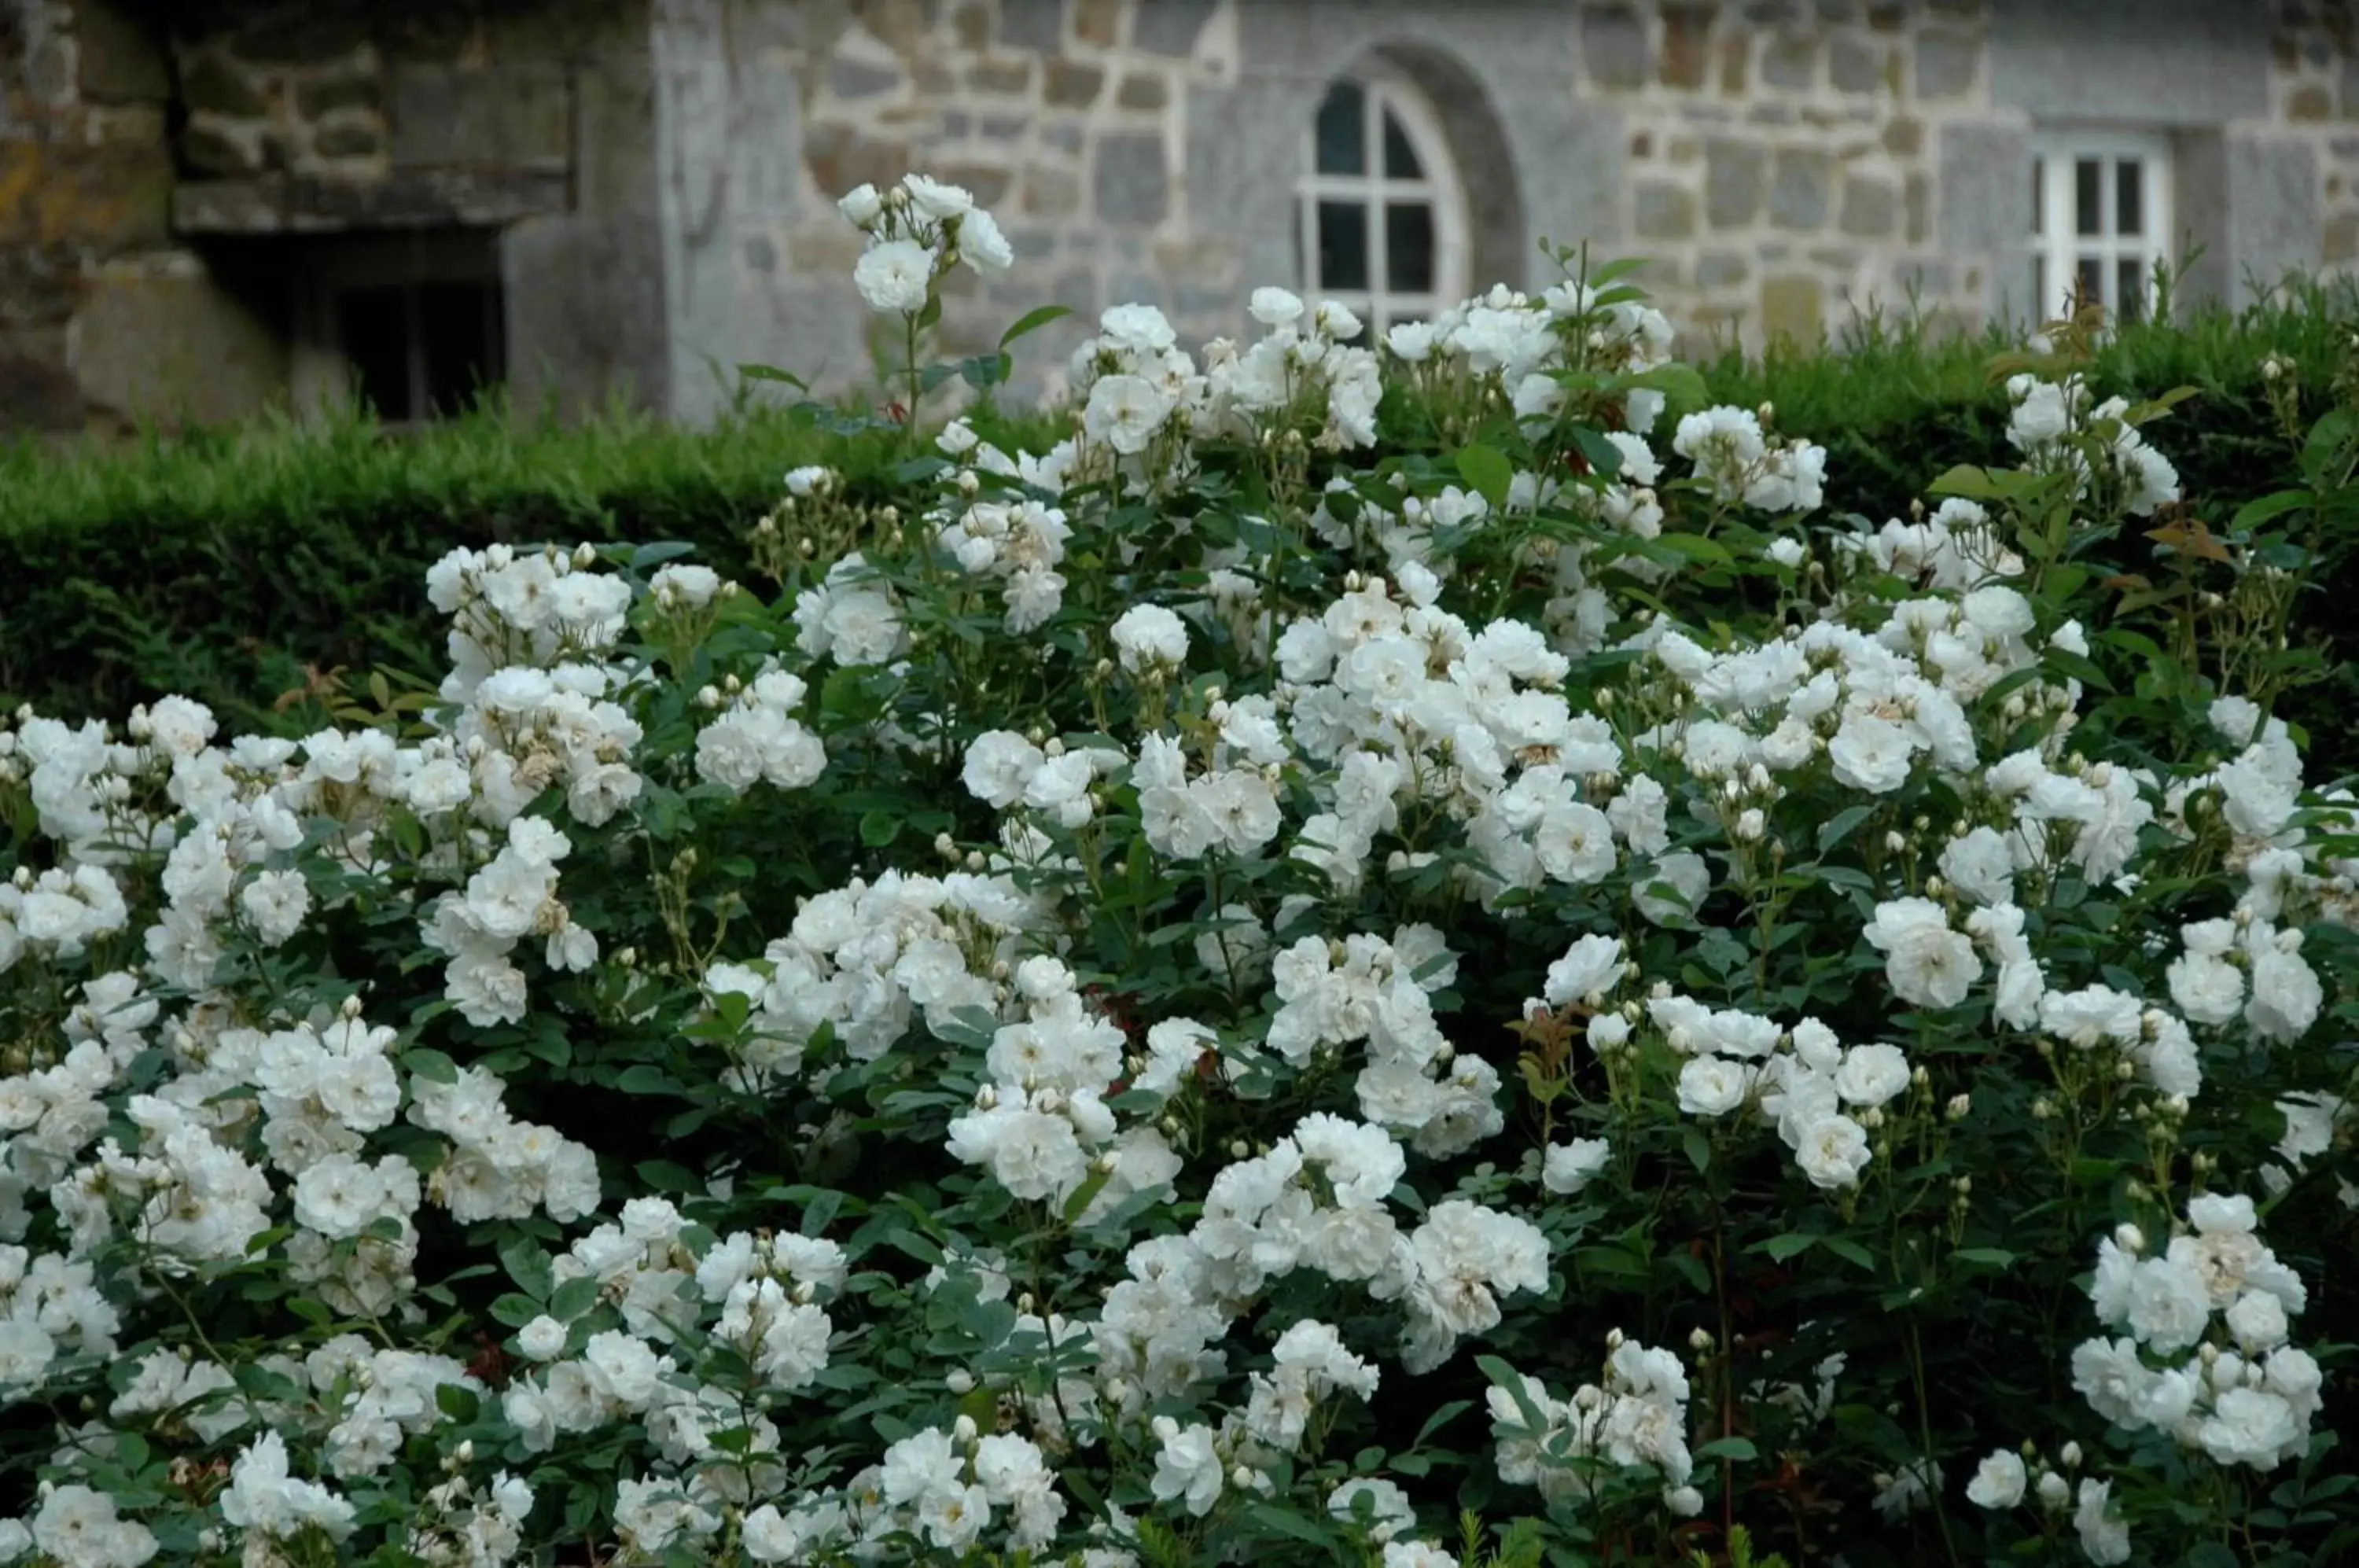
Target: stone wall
<point x="104" y="317"/>
<point x="2314" y="82"/>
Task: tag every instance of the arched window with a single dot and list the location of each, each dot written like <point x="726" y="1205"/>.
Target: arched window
<point x="1381" y="222"/>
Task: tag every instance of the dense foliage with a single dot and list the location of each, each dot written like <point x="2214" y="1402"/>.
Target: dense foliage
<point x="1403" y="954"/>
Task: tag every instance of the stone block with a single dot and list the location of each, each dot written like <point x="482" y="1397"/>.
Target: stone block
<point x="1721" y="269"/>
<point x="1141" y="93"/>
<point x="300" y="33"/>
<point x="1790" y="61"/>
<point x="1664" y="211"/>
<point x="1793" y="308"/>
<point x="1735" y="52"/>
<point x="841" y="156"/>
<point x="1855" y="65"/>
<point x="513" y="114"/>
<point x="1798" y="191"/>
<point x="1985" y="201"/>
<point x="970" y="25"/>
<point x="37" y="391"/>
<point x="120" y="60"/>
<point x="1614" y="48"/>
<point x="212" y="145"/>
<point x="1687" y="32"/>
<point x="1733" y="174"/>
<point x="2310" y="103"/>
<point x="1035" y="25"/>
<point x="760" y="253"/>
<point x="210" y="82"/>
<point x="176" y="348"/>
<point x="1170" y="27"/>
<point x="1871" y="208"/>
<point x="1131" y="183"/>
<point x="1918" y="200"/>
<point x="350" y="135"/>
<point x="317" y="96"/>
<point x="49" y="73"/>
<point x="1073" y="83"/>
<point x="1098" y="23"/>
<point x="853" y="79"/>
<point x="1051" y="193"/>
<point x="1000" y="76"/>
<point x="2342" y="237"/>
<point x="95" y="198"/>
<point x="1946" y="62"/>
<point x="335" y="203"/>
<point x="1903" y="137"/>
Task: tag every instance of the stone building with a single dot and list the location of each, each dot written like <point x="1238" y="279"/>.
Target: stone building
<point x="210" y="206"/>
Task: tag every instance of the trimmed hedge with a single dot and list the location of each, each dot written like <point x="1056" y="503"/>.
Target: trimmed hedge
<point x="236" y="566"/>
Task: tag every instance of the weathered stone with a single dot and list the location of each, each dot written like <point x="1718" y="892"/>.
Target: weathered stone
<point x="404" y="199"/>
<point x="1141" y="93"/>
<point x="1170" y="27"/>
<point x="1920" y="203"/>
<point x="49" y="73"/>
<point x="212" y="84"/>
<point x="1642" y="144"/>
<point x="1098" y="23"/>
<point x="301" y="34"/>
<point x="1073" y="83"/>
<point x="177" y="348"/>
<point x="1664" y="211"/>
<point x="1903" y="137"/>
<point x="1791" y="308"/>
<point x="854" y="78"/>
<point x="1837" y="10"/>
<point x="1735" y="50"/>
<point x="119" y="59"/>
<point x="1799" y="190"/>
<point x="970" y="25"/>
<point x="1870" y="208"/>
<point x="1000" y="75"/>
<point x="97" y="198"/>
<point x="1721" y="269"/>
<point x="2310" y="102"/>
<point x="214" y="146"/>
<point x="1686" y="31"/>
<point x="1613" y="44"/>
<point x="989" y="182"/>
<point x="1790" y="59"/>
<point x="1734" y="172"/>
<point x="1035" y="25"/>
<point x="514" y="115"/>
<point x="900" y="24"/>
<point x="1946" y="62"/>
<point x="1051" y="193"/>
<point x="1855" y="65"/>
<point x="841" y="157"/>
<point x="318" y="96"/>
<point x="1131" y="184"/>
<point x="1887" y="15"/>
<point x="761" y="254"/>
<point x="37" y="393"/>
<point x="2342" y="237"/>
<point x="353" y="136"/>
<point x="1066" y="138"/>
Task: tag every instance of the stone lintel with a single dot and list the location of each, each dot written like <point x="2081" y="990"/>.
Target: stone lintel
<point x="405" y="199"/>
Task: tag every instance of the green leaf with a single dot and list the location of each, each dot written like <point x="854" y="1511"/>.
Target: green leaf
<point x="878" y="829"/>
<point x="2252" y="513"/>
<point x="1032" y="321"/>
<point x="514" y="1310"/>
<point x="459" y="1403"/>
<point x="572" y="1299"/>
<point x="1084" y="1194"/>
<point x="529" y="1266"/>
<point x="1839" y="827"/>
<point x="431" y="1065"/>
<point x="1487" y="471"/>
<point x="1287" y="1523"/>
<point x="1781" y="1248"/>
<point x="772" y="373"/>
<point x="1736" y="1448"/>
<point x="1968" y="480"/>
<point x="1848" y="1250"/>
<point x="1601" y="455"/>
<point x="1697" y="1148"/>
<point x="1994" y="1257"/>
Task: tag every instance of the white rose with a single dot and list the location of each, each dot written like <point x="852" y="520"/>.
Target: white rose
<point x="1713" y="1086"/>
<point x="893" y="276"/>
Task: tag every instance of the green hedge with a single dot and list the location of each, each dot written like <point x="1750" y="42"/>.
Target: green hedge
<point x="222" y="564"/>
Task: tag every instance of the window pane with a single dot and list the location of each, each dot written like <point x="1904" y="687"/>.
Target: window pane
<point x="1400" y="158"/>
<point x="373" y="329"/>
<point x="2039" y="195"/>
<point x="458" y="327"/>
<point x="2042" y="307"/>
<point x="1408" y="248"/>
<point x="2092" y="274"/>
<point x="2129" y="192"/>
<point x="2087" y="196"/>
<point x="2129" y="292"/>
<point x="1343" y="245"/>
<point x="1342" y="131"/>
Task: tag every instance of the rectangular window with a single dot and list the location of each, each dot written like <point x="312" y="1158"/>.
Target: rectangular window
<point x="2100" y="222"/>
<point x="412" y="324"/>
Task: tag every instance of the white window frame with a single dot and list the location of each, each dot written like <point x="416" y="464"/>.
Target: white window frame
<point x="321" y="371"/>
<point x="2056" y="246"/>
<point x="1380" y="305"/>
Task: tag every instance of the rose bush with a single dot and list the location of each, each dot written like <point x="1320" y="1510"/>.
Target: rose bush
<point x="1189" y="996"/>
